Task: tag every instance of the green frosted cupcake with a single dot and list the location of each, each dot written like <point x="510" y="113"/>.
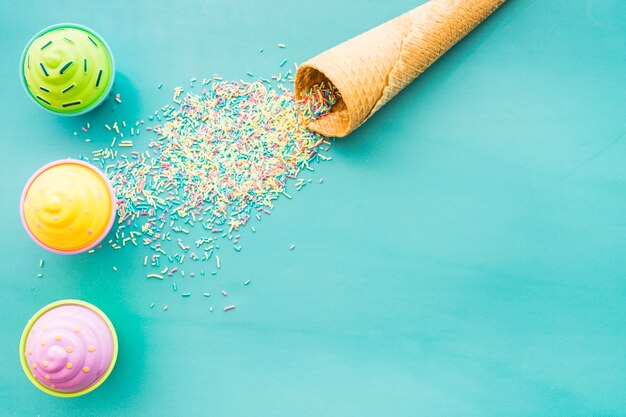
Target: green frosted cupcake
<point x="67" y="69"/>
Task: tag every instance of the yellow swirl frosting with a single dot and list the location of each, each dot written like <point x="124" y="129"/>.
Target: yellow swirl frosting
<point x="68" y="206"/>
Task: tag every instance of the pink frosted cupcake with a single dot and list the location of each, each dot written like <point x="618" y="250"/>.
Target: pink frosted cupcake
<point x="68" y="348"/>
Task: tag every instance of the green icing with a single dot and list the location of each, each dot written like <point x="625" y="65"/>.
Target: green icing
<point x="67" y="69"/>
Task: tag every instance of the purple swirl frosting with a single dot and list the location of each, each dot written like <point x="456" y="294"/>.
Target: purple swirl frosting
<point x="70" y="348"/>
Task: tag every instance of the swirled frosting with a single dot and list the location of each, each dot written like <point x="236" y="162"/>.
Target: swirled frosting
<point x="70" y="348"/>
<point x="68" y="206"/>
<point x="67" y="69"/>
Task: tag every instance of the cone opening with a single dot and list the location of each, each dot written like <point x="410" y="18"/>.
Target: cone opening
<point x="337" y="121"/>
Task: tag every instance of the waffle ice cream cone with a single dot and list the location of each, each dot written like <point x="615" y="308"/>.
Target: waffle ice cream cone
<point x="371" y="68"/>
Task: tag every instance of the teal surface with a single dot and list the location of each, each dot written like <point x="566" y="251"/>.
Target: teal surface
<point x="465" y="255"/>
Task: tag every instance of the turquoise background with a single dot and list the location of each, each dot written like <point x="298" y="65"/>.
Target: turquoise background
<point x="463" y="257"/>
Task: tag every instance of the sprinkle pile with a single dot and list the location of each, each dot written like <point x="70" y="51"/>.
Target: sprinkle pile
<point x="221" y="157"/>
<point x="317" y="102"/>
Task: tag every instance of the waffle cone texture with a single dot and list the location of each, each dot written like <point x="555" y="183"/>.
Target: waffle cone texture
<point x="371" y="68"/>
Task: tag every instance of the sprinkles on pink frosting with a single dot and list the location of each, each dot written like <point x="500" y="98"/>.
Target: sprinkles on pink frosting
<point x="69" y="348"/>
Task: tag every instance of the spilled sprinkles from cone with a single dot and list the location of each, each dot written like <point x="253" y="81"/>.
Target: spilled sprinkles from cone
<point x="220" y="157"/>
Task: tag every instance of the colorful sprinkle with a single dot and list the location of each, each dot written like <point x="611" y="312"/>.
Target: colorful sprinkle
<point x="157" y="276"/>
<point x="43" y="68"/>
<point x="65" y="67"/>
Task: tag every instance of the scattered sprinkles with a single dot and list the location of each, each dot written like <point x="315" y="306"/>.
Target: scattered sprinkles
<point x="220" y="160"/>
<point x="217" y="159"/>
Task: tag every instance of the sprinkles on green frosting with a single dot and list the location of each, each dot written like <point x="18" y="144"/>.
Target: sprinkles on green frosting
<point x="67" y="69"/>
